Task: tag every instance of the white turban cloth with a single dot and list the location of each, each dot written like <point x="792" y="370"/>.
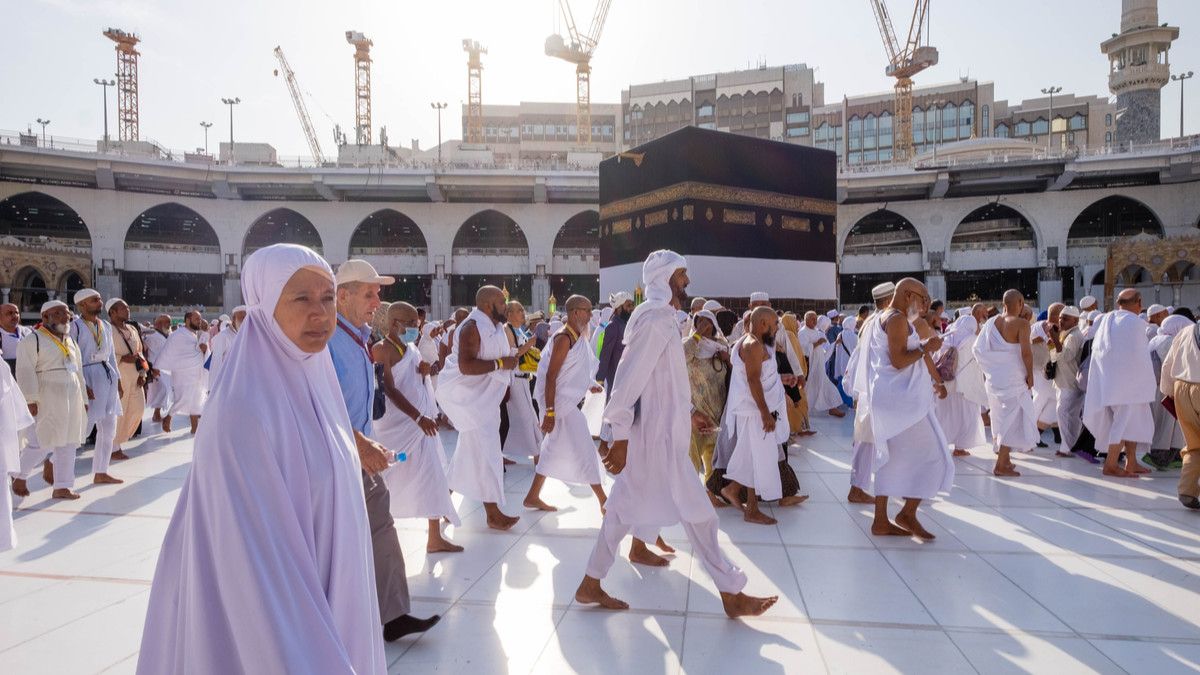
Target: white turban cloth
<point x="266" y="565"/>
<point x="656" y="279"/>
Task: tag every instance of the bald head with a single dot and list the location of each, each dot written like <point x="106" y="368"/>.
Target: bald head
<point x="980" y="312"/>
<point x="763" y="324"/>
<point x="1130" y="299"/>
<point x="911" y="297"/>
<point x="1014" y="302"/>
<point x="579" y="312"/>
<point x="401" y="311"/>
<point x="10" y="316"/>
<point x="698" y="304"/>
<point x="1054" y="311"/>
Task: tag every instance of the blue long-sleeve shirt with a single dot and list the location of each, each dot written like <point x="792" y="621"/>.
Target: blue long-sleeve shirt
<point x="355" y="373"/>
<point x="610" y="353"/>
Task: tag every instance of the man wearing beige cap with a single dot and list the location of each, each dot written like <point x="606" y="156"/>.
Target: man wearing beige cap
<point x="358" y="287"/>
<point x="104" y="391"/>
<point x="855" y="384"/>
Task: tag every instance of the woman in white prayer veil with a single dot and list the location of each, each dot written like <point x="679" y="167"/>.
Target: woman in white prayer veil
<point x="266" y="566"/>
<point x="960" y="413"/>
<point x="1168" y="435"/>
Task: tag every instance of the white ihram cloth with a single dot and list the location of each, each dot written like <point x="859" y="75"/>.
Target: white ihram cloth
<point x="266" y="566"/>
<point x="1121" y="387"/>
<point x="843" y="347"/>
<point x="822" y="393"/>
<point x="755" y="460"/>
<point x="524" y="439"/>
<point x="99" y="368"/>
<point x="55" y="383"/>
<point x="854" y="383"/>
<point x="158" y="392"/>
<point x="182" y="358"/>
<point x="1014" y="424"/>
<point x="1045" y="402"/>
<point x="960" y="416"/>
<point x="650" y="407"/>
<point x="14" y="417"/>
<point x="472" y="402"/>
<point x="568" y="452"/>
<point x="417" y="486"/>
<point x="912" y="458"/>
<point x="218" y="349"/>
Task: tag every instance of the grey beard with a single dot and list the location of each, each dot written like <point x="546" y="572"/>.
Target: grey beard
<point x="60" y="328"/>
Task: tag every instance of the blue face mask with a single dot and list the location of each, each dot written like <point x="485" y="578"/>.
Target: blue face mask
<point x="410" y="335"/>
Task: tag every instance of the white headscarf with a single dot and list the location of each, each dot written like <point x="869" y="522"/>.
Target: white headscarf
<point x="605" y="315"/>
<point x="964" y="327"/>
<point x="656" y="279"/>
<point x="848" y="335"/>
<point x="823" y="323"/>
<point x="270" y="528"/>
<point x="708" y="347"/>
<point x="1170" y="327"/>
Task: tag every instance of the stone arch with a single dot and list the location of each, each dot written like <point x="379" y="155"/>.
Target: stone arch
<point x="31" y="287"/>
<point x="1133" y="275"/>
<point x="388" y="232"/>
<point x="1182" y="270"/>
<point x="490" y="229"/>
<point x="172" y="225"/>
<point x="882" y="231"/>
<point x="993" y="223"/>
<point x="280" y="226"/>
<point x="69" y="281"/>
<point x="28" y="216"/>
<point x="1115" y="216"/>
<point x="581" y="232"/>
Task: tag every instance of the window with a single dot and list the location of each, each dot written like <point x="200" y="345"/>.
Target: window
<point x="705" y="110"/>
<point x="986" y="122"/>
<point x="1001" y="130"/>
<point x="1108" y="120"/>
<point x="871" y="157"/>
<point x="1059" y="125"/>
<point x="885" y="155"/>
<point x="1108" y="137"/>
<point x="949" y="116"/>
<point x="1077" y="122"/>
<point x="797" y="118"/>
<point x="1040" y="126"/>
<point x="793" y="132"/>
<point x="1022" y="128"/>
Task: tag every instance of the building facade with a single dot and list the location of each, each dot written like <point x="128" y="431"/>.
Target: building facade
<point x="545" y="132"/>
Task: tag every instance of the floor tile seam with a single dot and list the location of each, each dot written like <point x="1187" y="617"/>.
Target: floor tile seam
<point x="73" y="577"/>
<point x="1143" y="542"/>
<point x="72" y="621"/>
<point x="86" y="512"/>
<point x="1031" y="596"/>
<point x="803" y="603"/>
<point x="118" y="662"/>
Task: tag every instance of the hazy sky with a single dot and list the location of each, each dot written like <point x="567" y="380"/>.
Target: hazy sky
<point x="195" y="52"/>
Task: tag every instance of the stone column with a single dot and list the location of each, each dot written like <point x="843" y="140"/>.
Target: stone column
<point x="4" y="295"/>
<point x="231" y="295"/>
<point x="541" y="293"/>
<point x="935" y="276"/>
<point x="108" y="282"/>
<point x="1049" y="286"/>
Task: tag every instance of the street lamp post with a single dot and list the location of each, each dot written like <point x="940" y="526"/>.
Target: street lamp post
<point x="206" y="126"/>
<point x="230" y="102"/>
<point x="106" y="84"/>
<point x="439" y="107"/>
<point x="1051" y="90"/>
<point x="43" y="123"/>
<point x="1181" y="78"/>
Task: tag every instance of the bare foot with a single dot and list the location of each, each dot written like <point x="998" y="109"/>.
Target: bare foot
<point x="157" y="416"/>
<point x="501" y="522"/>
<point x="538" y="504"/>
<point x="836" y="413"/>
<point x="888" y="529"/>
<point x="717" y="502"/>
<point x="1005" y="471"/>
<point x="440" y="545"/>
<point x="730" y="493"/>
<point x="105" y="479"/>
<point x="119" y="455"/>
<point x="64" y="493"/>
<point x="913" y="525"/>
<point x="664" y="546"/>
<point x="746" y="605"/>
<point x="1118" y="472"/>
<point x="1134" y="467"/>
<point x="793" y="500"/>
<point x="20" y="488"/>
<point x="590" y="593"/>
<point x="758" y="517"/>
<point x="48" y="472"/>
<point x="859" y="496"/>
<point x="959" y="452"/>
<point x="638" y="553"/>
<point x="166" y="424"/>
<point x="806" y="433"/>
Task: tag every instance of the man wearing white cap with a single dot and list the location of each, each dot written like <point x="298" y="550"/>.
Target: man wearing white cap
<point x="50" y="375"/>
<point x="358" y="287"/>
<point x="133" y="367"/>
<point x="649" y="417"/>
<point x="1155" y="315"/>
<point x="757" y="299"/>
<point x="219" y="346"/>
<point x="104" y="389"/>
<point x="855" y="384"/>
<point x="613" y="343"/>
<point x="183" y="356"/>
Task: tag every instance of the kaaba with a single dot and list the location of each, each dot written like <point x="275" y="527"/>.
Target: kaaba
<point x="749" y="214"/>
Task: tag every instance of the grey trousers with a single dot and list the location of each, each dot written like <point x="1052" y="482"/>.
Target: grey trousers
<point x="391" y="582"/>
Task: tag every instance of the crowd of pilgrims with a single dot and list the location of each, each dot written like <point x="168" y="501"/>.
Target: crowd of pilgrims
<point x="318" y="411"/>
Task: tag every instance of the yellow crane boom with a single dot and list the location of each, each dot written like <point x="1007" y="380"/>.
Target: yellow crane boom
<point x="289" y="77"/>
<point x="903" y="63"/>
<point x="579" y="51"/>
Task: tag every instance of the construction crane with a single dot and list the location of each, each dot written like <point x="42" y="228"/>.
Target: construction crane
<point x="903" y="63"/>
<point x="474" y="90"/>
<point x="127" y="82"/>
<point x="579" y="52"/>
<point x="362" y="86"/>
<point x="301" y="109"/>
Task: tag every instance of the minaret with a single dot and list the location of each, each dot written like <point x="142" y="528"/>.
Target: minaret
<point x="1138" y="70"/>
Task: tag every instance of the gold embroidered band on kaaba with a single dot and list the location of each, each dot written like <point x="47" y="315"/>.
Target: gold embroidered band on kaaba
<point x="717" y="193"/>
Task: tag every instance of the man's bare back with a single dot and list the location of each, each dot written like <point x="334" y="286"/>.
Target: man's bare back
<point x="1013" y="329"/>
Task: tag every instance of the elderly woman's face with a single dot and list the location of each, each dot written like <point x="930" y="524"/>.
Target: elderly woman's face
<point x="307" y="310"/>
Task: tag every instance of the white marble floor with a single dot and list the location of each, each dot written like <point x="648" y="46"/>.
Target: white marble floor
<point x="1059" y="571"/>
